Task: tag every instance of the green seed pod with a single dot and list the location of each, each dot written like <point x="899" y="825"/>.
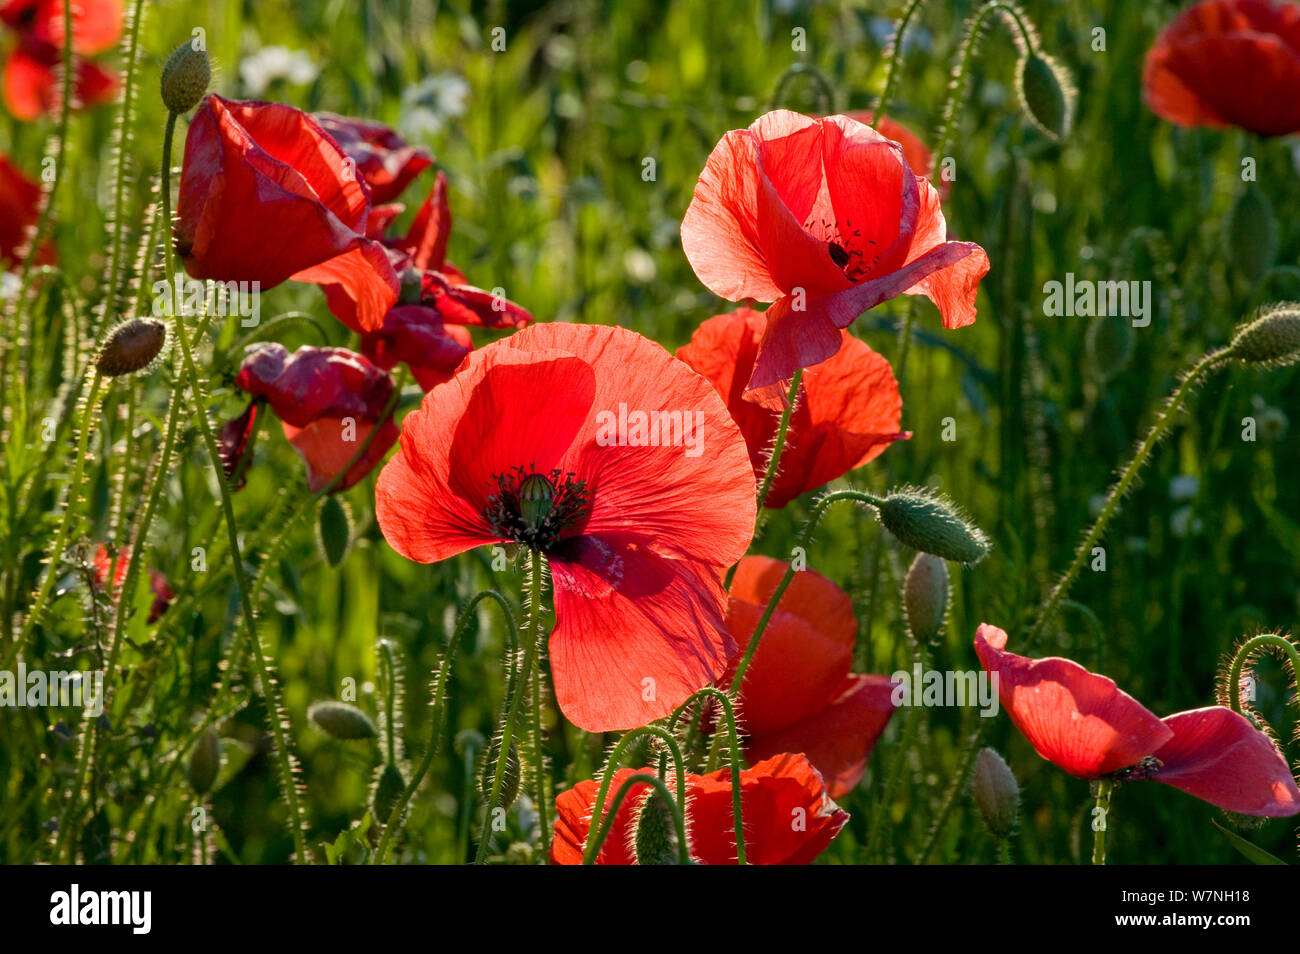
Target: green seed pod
<point x="205" y="762"/>
<point x="333" y="530"/>
<point x="509" y="776"/>
<point x="996" y="793"/>
<point x="536" y="499"/>
<point x="342" y="720"/>
<point x="1251" y="235"/>
<point x="931" y="523"/>
<point x="131" y="346"/>
<point x="1046" y="94"/>
<point x="656" y="835"/>
<point x="388" y="789"/>
<point x="925" y="596"/>
<point x="185" y="78"/>
<point x="1109" y="346"/>
<point x="1272" y="339"/>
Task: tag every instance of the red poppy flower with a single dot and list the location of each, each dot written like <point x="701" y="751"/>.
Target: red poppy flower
<point x="798" y="694"/>
<point x="328" y="401"/>
<point x="640" y="492"/>
<point x="419" y="337"/>
<point x="103" y="563"/>
<point x="20" y="200"/>
<point x="384" y="159"/>
<point x="1228" y="63"/>
<point x="30" y="85"/>
<point x="788" y="817"/>
<point x="847" y="414"/>
<point x="267" y="195"/>
<point x="1083" y="723"/>
<point x="825" y="218"/>
<point x="914" y="150"/>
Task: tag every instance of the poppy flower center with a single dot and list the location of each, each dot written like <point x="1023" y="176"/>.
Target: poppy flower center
<point x="1143" y="770"/>
<point x="535" y="509"/>
<point x="852" y="254"/>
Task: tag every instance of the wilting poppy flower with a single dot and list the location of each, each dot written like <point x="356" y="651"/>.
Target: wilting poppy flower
<point x="798" y="694"/>
<point x="328" y="401"/>
<point x="267" y="195"/>
<point x="600" y="450"/>
<point x="914" y="150"/>
<point x="788" y="817"/>
<point x="103" y="563"/>
<point x="30" y="85"/>
<point x="385" y="160"/>
<point x="419" y="337"/>
<point x="1228" y="63"/>
<point x="825" y="218"/>
<point x="1083" y="723"/>
<point x="847" y="414"/>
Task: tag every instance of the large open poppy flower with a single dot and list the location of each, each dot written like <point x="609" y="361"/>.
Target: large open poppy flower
<point x="1228" y="63"/>
<point x="386" y="161"/>
<point x="798" y="694"/>
<point x="328" y="401"/>
<point x="847" y="414"/>
<point x="267" y="195"/>
<point x="30" y="86"/>
<point x="789" y="819"/>
<point x="1085" y="724"/>
<point x="825" y="218"/>
<point x="596" y="447"/>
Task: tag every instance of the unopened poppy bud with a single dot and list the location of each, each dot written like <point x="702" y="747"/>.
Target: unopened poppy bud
<point x="509" y="774"/>
<point x="1046" y="94"/>
<point x="342" y="720"/>
<point x="205" y="762"/>
<point x="931" y="523"/>
<point x="1272" y="339"/>
<point x="996" y="793"/>
<point x="131" y="346"/>
<point x="1109" y="346"/>
<point x="536" y="499"/>
<point x="925" y="596"/>
<point x="1252" y="235"/>
<point x="185" y="77"/>
<point x="388" y="789"/>
<point x="656" y="835"/>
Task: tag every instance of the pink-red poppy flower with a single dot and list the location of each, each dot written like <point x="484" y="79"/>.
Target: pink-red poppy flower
<point x="328" y="401"/>
<point x="798" y="694"/>
<point x="788" y="817"/>
<point x="848" y="410"/>
<point x="386" y="161"/>
<point x="1228" y="63"/>
<point x="825" y="218"/>
<point x="103" y="563"/>
<point x="417" y="336"/>
<point x="30" y="85"/>
<point x="915" y="151"/>
<point x="20" y="200"/>
<point x="267" y="195"/>
<point x="1085" y="724"/>
<point x="637" y="488"/>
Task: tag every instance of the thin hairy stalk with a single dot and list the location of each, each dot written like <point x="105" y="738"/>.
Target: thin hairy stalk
<point x="616" y="757"/>
<point x="895" y="57"/>
<point x="640" y="778"/>
<point x="1249" y="648"/>
<point x="737" y="757"/>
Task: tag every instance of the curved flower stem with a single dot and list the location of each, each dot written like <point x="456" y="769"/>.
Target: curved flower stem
<point x="1244" y="653"/>
<point x="827" y="102"/>
<point x="737" y="758"/>
<point x="1121" y="487"/>
<point x="895" y="57"/>
<point x="1101" y="820"/>
<point x="640" y="778"/>
<point x="611" y="765"/>
<point x="531" y="636"/>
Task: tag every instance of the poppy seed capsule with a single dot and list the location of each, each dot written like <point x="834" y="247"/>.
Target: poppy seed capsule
<point x="1046" y="94"/>
<point x="509" y="774"/>
<point x="131" y="346"/>
<point x="185" y="78"/>
<point x="1272" y="339"/>
<point x="536" y="499"/>
<point x="997" y="795"/>
<point x="925" y="596"/>
<point x="931" y="523"/>
<point x="342" y="720"/>
<point x="656" y="835"/>
<point x="205" y="762"/>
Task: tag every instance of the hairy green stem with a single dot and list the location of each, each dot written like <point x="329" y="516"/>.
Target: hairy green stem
<point x="607" y="823"/>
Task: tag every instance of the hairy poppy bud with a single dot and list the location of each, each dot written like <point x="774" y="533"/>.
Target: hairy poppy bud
<point x="388" y="789"/>
<point x="925" y="596"/>
<point x="1046" y="94"/>
<point x="932" y="523"/>
<point x="342" y="720"/>
<point x="1272" y="339"/>
<point x="1252" y="235"/>
<point x="656" y="835"/>
<point x="1109" y="346"/>
<point x="509" y="774"/>
<point x="131" y="346"/>
<point x="996" y="793"/>
<point x="185" y="77"/>
<point x="205" y="762"/>
<point x="333" y="530"/>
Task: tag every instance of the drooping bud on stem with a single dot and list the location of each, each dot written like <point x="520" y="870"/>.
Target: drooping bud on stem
<point x="342" y="720"/>
<point x="131" y="346"/>
<point x="185" y="77"/>
<point x="656" y="836"/>
<point x="388" y="789"/>
<point x="931" y="523"/>
<point x="1046" y="94"/>
<point x="1251" y="235"/>
<point x="205" y="762"/>
<point x="996" y="793"/>
<point x="1272" y="339"/>
<point x="925" y="596"/>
